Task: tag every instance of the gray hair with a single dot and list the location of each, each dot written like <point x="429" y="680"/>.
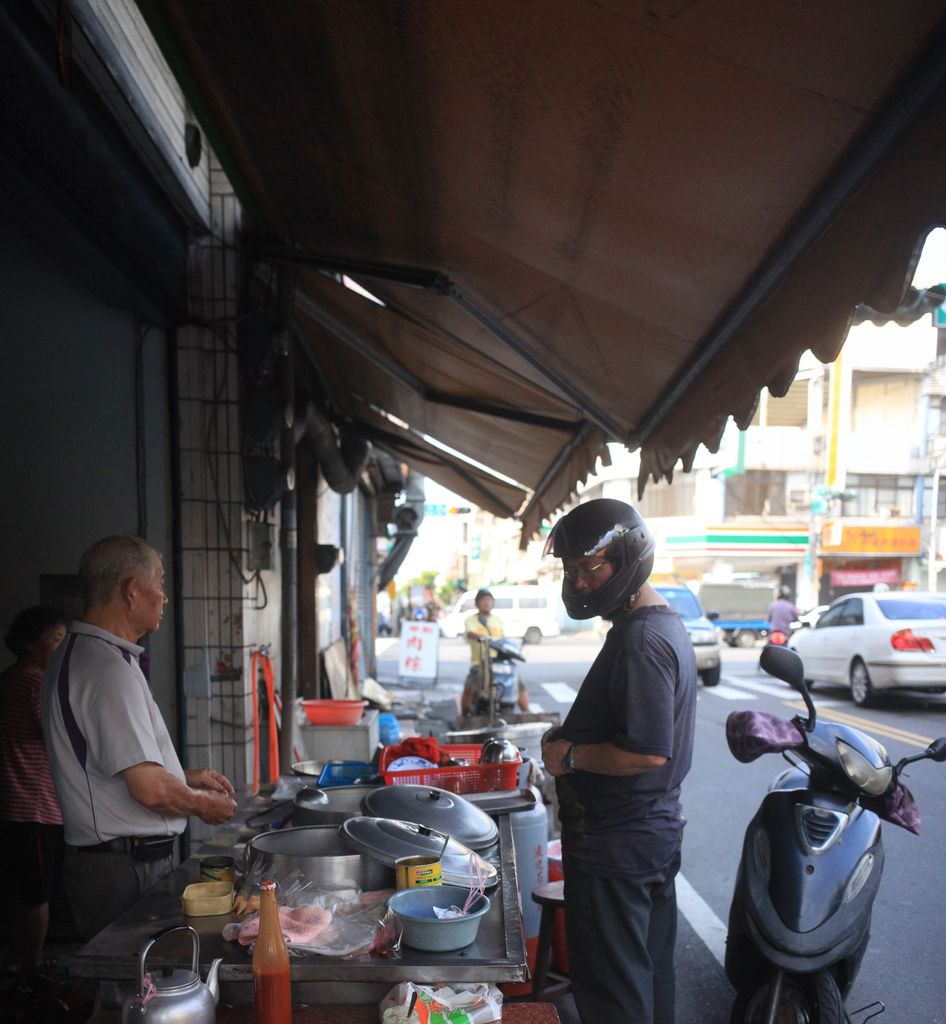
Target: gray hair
<point x="110" y="561"/>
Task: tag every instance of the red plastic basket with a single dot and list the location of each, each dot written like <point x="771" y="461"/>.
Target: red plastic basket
<point x="463" y="778"/>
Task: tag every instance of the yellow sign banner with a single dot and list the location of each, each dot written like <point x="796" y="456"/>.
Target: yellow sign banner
<point x="865" y="539"/>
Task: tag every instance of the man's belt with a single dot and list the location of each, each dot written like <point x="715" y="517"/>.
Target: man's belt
<point x="141" y="848"/>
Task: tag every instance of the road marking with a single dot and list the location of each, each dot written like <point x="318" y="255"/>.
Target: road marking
<point x="867" y="725"/>
<point x="773" y="690"/>
<point x="727" y="692"/>
<point x="382" y="644"/>
<point x="702" y="920"/>
<point x="761" y="686"/>
<point x="560" y="692"/>
<point x="535" y="709"/>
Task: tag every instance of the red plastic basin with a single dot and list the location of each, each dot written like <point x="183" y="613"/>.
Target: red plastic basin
<point x="334" y="712"/>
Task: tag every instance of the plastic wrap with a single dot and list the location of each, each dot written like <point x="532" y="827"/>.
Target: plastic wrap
<point x="341" y="922"/>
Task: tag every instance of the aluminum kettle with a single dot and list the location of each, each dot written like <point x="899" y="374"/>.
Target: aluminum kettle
<point x="175" y="997"/>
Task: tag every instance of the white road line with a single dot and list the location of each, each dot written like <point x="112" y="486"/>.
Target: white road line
<point x="726" y="692"/>
<point x="535" y="709"/>
<point x="560" y="692"/>
<point x="701" y="918"/>
<point x="785" y="692"/>
<point x="381" y="644"/>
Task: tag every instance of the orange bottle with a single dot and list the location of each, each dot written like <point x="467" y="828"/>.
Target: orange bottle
<point x="271" y="990"/>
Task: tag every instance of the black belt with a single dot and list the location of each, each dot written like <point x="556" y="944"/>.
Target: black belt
<point x="143" y="848"/>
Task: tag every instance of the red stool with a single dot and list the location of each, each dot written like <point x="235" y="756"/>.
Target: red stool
<point x="551" y="897"/>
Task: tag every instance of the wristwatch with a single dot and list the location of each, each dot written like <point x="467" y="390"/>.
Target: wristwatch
<point x="568" y="761"/>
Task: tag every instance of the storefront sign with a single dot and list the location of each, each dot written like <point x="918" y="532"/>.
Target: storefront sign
<point x="863" y="577"/>
<point x="867" y="539"/>
<point x="417" y="651"/>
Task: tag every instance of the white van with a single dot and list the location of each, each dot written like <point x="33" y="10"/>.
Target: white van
<point x="527" y="610"/>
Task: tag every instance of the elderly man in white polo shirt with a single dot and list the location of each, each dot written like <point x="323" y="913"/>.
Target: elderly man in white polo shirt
<point x="123" y="793"/>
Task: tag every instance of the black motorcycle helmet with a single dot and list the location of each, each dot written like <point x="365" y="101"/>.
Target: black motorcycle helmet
<point x="614" y="530"/>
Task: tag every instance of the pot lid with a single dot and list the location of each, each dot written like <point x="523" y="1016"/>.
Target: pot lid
<point x="449" y="813"/>
<point x="311" y="797"/>
<point x="387" y="840"/>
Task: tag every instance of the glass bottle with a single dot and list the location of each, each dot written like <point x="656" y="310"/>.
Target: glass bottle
<point x="271" y="990"/>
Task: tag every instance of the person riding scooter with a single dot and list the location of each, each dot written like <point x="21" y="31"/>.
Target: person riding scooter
<point x="483" y="624"/>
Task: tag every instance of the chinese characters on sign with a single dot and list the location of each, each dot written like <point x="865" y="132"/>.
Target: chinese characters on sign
<point x="874" y="540"/>
<point x="417" y="653"/>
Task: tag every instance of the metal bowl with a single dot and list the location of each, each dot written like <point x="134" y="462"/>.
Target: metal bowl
<point x="496" y="751"/>
<point x="319" y="854"/>
<point x="308" y="769"/>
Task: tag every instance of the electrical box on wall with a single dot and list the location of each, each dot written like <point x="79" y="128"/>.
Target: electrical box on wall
<point x="259" y="553"/>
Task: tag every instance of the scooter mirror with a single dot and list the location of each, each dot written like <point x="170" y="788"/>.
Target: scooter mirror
<point x="783" y="663"/>
<point x="936" y="751"/>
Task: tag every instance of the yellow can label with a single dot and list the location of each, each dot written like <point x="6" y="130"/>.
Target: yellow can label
<point x="416" y="872"/>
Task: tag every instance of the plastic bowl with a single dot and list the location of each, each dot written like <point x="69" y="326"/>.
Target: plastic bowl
<point x="424" y="930"/>
<point x="334" y="712"/>
<point x="208" y="899"/>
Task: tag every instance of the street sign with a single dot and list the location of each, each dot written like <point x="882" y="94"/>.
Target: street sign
<point x="417" y="651"/>
<point x="939" y="317"/>
<point x="435" y="509"/>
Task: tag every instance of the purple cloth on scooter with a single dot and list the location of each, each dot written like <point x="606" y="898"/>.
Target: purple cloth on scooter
<point x="898" y="806"/>
<point x="750" y="734"/>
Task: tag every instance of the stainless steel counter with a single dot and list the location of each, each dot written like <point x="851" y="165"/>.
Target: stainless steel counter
<point x="497" y="955"/>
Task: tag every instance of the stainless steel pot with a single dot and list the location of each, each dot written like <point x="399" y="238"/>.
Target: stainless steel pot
<point x="329" y="806"/>
<point x="317" y="852"/>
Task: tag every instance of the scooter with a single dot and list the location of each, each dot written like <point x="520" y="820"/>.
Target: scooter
<point x="499" y="682"/>
<point x="812" y="860"/>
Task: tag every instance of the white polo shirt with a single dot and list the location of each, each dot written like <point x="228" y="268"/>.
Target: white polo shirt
<point x="99" y="717"/>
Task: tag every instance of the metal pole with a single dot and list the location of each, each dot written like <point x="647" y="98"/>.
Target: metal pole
<point x="288" y="533"/>
<point x="932" y="570"/>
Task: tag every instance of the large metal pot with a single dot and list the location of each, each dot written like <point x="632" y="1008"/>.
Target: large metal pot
<point x="317" y="852"/>
<point x="329" y="806"/>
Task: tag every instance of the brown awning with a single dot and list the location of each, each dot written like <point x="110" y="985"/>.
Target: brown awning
<point x="618" y="220"/>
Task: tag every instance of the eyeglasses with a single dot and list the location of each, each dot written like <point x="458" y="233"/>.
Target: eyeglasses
<point x="588" y="573"/>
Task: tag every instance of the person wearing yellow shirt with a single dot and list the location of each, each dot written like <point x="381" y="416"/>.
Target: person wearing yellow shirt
<point x="483" y="623"/>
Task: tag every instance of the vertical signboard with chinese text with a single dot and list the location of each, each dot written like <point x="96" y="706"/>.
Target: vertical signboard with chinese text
<point x="417" y="654"/>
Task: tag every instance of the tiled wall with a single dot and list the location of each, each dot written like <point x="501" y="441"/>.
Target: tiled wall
<point x="227" y="612"/>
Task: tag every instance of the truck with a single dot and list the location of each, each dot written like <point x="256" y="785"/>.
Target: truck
<point x="739" y="609"/>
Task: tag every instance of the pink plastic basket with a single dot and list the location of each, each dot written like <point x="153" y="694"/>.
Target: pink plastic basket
<point x="462" y="778"/>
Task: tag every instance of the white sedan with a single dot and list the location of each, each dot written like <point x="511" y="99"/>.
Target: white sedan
<point x="878" y="641"/>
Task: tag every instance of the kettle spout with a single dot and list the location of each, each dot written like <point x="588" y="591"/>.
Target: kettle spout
<point x="212" y="984"/>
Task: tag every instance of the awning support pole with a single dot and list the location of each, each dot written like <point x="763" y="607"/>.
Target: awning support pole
<point x="440" y="284"/>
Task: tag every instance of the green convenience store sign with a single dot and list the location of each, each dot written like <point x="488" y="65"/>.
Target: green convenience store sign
<point x="737" y="541"/>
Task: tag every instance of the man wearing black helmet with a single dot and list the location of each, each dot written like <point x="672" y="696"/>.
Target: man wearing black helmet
<point x="619" y="759"/>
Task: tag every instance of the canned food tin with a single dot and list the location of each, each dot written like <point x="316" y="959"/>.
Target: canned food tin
<point x="217" y="869"/>
<point x="417" y="872"/>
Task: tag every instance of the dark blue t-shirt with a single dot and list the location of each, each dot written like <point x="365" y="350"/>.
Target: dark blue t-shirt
<point x="640" y="693"/>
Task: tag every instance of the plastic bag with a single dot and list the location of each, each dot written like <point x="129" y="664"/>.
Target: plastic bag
<point x="458" y="1003"/>
<point x="339" y="922"/>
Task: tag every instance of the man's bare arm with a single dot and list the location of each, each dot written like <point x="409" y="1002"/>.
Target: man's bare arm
<point x="154" y="787"/>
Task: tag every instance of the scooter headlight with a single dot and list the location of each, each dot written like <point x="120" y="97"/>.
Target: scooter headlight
<point x="861" y="873"/>
<point x="868" y="777"/>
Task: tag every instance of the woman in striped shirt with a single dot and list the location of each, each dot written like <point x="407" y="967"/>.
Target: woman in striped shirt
<point x="31" y="840"/>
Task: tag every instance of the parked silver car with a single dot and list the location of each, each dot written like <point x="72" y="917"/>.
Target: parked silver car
<point x="877" y="641"/>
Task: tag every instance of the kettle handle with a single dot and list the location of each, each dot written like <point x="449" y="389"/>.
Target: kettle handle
<point x="146" y="948"/>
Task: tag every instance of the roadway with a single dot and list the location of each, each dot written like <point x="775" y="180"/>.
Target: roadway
<point x="906" y="961"/>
